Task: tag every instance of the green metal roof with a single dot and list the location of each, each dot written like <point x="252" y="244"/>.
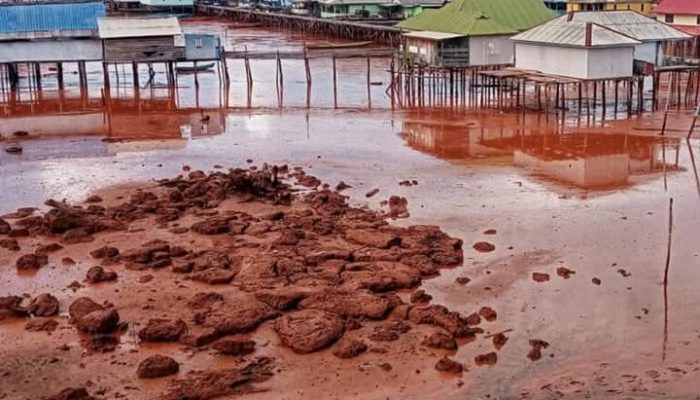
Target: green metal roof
<point x="482" y="17"/>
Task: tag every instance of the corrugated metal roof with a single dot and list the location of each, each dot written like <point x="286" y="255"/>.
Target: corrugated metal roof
<point x="573" y="34"/>
<point x="112" y="28"/>
<point x="430" y="35"/>
<point x="73" y="19"/>
<point x="630" y="23"/>
<point x="482" y="17"/>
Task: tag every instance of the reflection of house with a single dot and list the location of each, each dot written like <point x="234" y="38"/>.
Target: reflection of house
<point x="643" y="6"/>
<point x="588" y="160"/>
<point x="33" y="32"/>
<point x="591" y="51"/>
<point x="471" y="32"/>
<point x="119" y="119"/>
<point x="453" y="141"/>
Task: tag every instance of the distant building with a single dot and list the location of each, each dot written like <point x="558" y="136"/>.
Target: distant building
<point x="580" y="50"/>
<point x="170" y="5"/>
<point x="643" y="6"/>
<point x="651" y="33"/>
<point x="50" y="32"/>
<point x="682" y="14"/>
<point x="558" y="6"/>
<point x="371" y="9"/>
<point x="470" y="32"/>
<point x="141" y="39"/>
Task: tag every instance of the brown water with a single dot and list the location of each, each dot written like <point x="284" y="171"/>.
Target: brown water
<point x="591" y="198"/>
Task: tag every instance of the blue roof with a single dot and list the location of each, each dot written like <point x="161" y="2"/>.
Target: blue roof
<point x="50" y="17"/>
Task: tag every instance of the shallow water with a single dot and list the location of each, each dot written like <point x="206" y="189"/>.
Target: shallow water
<point x="592" y="198"/>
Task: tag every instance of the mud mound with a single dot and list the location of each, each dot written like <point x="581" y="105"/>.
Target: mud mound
<point x="157" y="366"/>
<point x="309" y="330"/>
<point x="206" y="385"/>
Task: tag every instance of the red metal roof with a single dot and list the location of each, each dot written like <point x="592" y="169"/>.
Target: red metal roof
<point x="688" y="7"/>
<point x="689" y="29"/>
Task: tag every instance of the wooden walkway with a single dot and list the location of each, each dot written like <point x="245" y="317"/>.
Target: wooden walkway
<point x="309" y="54"/>
<point x="387" y="35"/>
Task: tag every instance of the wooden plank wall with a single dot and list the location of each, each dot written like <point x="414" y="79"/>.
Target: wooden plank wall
<point x="146" y="49"/>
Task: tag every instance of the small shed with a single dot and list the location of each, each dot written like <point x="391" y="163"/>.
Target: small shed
<point x="141" y="39"/>
<point x="50" y="32"/>
<point x="476" y="32"/>
<point x="576" y="50"/>
<point x="202" y="47"/>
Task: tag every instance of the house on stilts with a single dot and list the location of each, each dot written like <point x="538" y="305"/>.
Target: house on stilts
<point x="41" y="33"/>
<point x="470" y="33"/>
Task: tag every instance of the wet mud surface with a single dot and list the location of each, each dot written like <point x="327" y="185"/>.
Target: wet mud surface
<point x="555" y="292"/>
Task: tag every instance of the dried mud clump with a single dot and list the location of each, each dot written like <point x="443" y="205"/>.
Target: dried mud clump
<point x="44" y="305"/>
<point x="484" y="247"/>
<point x="486" y="359"/>
<point x="11" y="306"/>
<point x="499" y="340"/>
<point x="440" y="340"/>
<point x="217" y="383"/>
<point x="349" y="348"/>
<point x="31" y="262"/>
<point x="540" y="277"/>
<point x="565" y="272"/>
<point x="98" y="274"/>
<point x="307" y="331"/>
<point x="450" y="366"/>
<point x="234" y="347"/>
<point x="157" y="366"/>
<point x="72" y="394"/>
<point x="90" y="317"/>
<point x="536" y="346"/>
<point x="162" y="330"/>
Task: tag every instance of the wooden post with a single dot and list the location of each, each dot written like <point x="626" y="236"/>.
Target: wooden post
<point x="369" y="82"/>
<point x="602" y="96"/>
<point x="105" y="72"/>
<point x="59" y="75"/>
<point x="335" y="84"/>
<point x="135" y="74"/>
<point x="391" y="86"/>
<point x="37" y="73"/>
<point x="308" y="69"/>
<point x="617" y="84"/>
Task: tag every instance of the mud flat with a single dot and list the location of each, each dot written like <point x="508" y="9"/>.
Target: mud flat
<point x="211" y="285"/>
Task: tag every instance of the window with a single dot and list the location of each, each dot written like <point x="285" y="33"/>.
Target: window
<point x="198" y="43"/>
<point x="668" y="18"/>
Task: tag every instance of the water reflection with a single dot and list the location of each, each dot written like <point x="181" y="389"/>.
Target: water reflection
<point x="100" y="126"/>
<point x="590" y="160"/>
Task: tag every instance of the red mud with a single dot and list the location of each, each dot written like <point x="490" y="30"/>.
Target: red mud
<point x="257" y="253"/>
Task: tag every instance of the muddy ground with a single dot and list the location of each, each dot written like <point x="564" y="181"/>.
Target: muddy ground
<point x="207" y="286"/>
<point x="610" y="331"/>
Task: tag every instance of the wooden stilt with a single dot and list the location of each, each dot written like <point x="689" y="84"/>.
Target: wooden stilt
<point x="59" y="75"/>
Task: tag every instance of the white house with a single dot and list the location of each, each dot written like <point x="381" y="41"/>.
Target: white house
<point x="577" y="50"/>
<point x="651" y="33"/>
